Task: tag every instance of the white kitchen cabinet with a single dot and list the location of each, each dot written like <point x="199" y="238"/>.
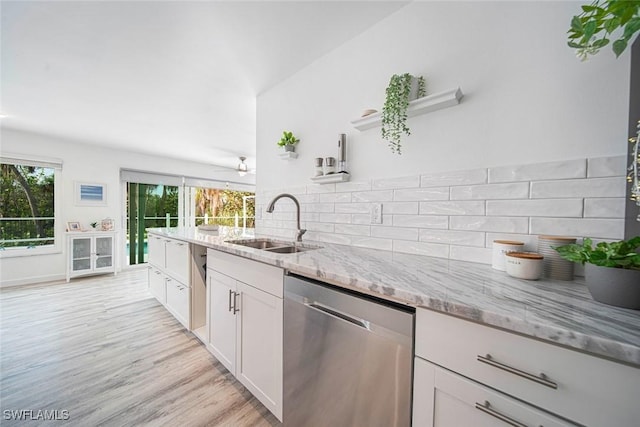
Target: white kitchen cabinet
<point x="158" y="285"/>
<point x="170" y="276"/>
<point x="178" y="300"/>
<point x="246" y="323"/>
<point x="575" y="386"/>
<point x="90" y="253"/>
<point x="445" y="399"/>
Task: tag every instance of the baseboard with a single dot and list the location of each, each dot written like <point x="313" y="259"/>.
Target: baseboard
<point x="32" y="280"/>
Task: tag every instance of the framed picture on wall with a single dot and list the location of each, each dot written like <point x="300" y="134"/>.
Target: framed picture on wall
<point x="88" y="194"/>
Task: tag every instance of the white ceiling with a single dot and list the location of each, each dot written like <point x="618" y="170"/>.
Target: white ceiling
<point x="177" y="79"/>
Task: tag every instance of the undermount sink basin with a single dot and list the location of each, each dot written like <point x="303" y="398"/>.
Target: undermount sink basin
<point x="288" y="249"/>
<point x="275" y="246"/>
<point x="259" y="243"/>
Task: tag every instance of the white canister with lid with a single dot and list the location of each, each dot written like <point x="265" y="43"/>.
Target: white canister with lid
<point x="524" y="265"/>
<point x="500" y="248"/>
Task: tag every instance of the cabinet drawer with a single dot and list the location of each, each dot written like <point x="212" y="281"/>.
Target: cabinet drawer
<point x="444" y="399"/>
<point x="178" y="301"/>
<point x="177" y="260"/>
<point x="262" y="276"/>
<point x="586" y="389"/>
<point x="156" y="250"/>
<point x="157" y="286"/>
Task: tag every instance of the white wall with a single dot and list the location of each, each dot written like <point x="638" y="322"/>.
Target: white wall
<point x="527" y="98"/>
<point x="86" y="163"/>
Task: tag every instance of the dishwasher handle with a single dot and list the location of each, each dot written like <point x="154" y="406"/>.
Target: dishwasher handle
<point x="335" y="313"/>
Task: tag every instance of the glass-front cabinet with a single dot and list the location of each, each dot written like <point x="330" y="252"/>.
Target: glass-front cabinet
<point x="90" y="253"/>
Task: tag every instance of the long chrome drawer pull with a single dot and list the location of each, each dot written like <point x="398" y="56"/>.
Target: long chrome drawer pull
<point x="335" y="313"/>
<point x="235" y="302"/>
<point x="230" y="293"/>
<point x="540" y="379"/>
<point x="486" y="408"/>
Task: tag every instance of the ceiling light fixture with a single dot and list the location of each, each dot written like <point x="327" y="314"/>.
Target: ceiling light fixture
<point x="242" y="167"/>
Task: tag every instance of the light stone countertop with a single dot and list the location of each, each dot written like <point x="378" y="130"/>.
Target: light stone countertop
<point x="560" y="312"/>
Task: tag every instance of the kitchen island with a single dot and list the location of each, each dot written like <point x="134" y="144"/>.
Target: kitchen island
<point x="556" y="311"/>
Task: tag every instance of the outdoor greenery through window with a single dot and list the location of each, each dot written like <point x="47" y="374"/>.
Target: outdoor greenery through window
<point x="27" y="212"/>
<point x="225" y="207"/>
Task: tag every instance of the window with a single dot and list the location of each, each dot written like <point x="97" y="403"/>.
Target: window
<point x="28" y="206"/>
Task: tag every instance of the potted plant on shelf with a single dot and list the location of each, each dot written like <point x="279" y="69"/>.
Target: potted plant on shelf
<point x="288" y="141"/>
<point x="612" y="270"/>
<point x="394" y="111"/>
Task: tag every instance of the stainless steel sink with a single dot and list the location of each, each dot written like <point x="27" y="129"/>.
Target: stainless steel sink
<point x="275" y="246"/>
<point x="259" y="243"/>
<point x="289" y="249"/>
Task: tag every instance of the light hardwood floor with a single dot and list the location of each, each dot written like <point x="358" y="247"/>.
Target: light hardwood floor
<point x="103" y="349"/>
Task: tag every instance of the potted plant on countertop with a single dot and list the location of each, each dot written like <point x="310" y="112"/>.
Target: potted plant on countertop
<point x="612" y="270"/>
<point x="288" y="141"/>
<point x="402" y="88"/>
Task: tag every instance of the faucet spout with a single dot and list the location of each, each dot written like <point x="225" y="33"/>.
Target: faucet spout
<point x="272" y="204"/>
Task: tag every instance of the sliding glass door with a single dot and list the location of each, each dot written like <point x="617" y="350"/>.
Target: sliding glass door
<point x="148" y="206"/>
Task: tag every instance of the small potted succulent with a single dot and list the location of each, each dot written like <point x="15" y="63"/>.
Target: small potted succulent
<point x="288" y="141"/>
<point x="612" y="270"/>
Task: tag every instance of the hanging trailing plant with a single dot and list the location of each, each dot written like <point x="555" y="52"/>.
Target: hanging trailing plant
<point x="594" y="27"/>
<point x="394" y="111"/>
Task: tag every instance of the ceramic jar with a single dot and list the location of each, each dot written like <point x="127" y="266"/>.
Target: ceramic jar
<point x="500" y="248"/>
<point x="524" y="265"/>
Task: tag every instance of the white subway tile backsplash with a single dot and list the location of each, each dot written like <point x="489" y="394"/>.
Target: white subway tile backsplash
<point x="539" y="171"/>
<point x="391" y="183"/>
<point x="466" y="238"/>
<point x="518" y="190"/>
<point x="321" y="188"/>
<point x="387" y="220"/>
<point x="607" y="166"/>
<point x="583" y="227"/>
<point x="459" y="214"/>
<point x="400" y="233"/>
<point x="539" y="207"/>
<point x="352" y="208"/>
<point x="470" y="254"/>
<point x="442" y="179"/>
<point x="372" y="196"/>
<point x="354" y="229"/>
<point x="333" y="197"/>
<point x="420" y="194"/>
<point x="335" y="218"/>
<point x="452" y="208"/>
<point x="590" y="187"/>
<point x="420" y="221"/>
<point x="405" y="208"/>
<point x="490" y="223"/>
<point x="351" y="186"/>
<point x="604" y="208"/>
<point x="421" y="248"/>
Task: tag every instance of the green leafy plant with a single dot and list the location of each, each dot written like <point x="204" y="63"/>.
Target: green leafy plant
<point x="94" y="224"/>
<point x="394" y="111"/>
<point x="620" y="254"/>
<point x="287" y="139"/>
<point x="594" y="27"/>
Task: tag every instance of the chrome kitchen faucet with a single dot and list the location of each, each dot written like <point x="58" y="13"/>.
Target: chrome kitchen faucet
<point x="272" y="203"/>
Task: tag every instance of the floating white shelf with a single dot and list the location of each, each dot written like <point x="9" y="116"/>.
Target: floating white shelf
<point x="331" y="179"/>
<point x="419" y="106"/>
<point x="288" y="155"/>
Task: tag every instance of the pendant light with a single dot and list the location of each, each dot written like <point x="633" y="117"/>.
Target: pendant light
<point x="242" y="167"/>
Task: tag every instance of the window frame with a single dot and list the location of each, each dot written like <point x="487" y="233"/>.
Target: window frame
<point x="56" y="165"/>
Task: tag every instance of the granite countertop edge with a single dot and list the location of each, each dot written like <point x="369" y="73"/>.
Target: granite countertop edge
<point x="561" y="313"/>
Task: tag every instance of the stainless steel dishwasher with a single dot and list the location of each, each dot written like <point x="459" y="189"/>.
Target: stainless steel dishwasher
<point x="348" y="359"/>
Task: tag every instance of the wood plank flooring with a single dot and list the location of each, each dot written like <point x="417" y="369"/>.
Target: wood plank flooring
<point x="103" y="349"/>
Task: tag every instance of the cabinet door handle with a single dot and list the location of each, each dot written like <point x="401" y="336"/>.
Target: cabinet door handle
<point x="157" y="272"/>
<point x="487" y="409"/>
<point x="540" y="379"/>
<point x="235" y="302"/>
<point x="230" y="296"/>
